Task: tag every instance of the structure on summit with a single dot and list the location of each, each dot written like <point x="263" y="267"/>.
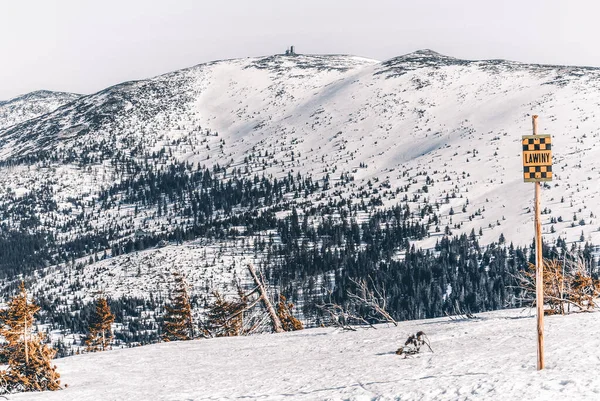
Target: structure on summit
<point x="290" y="52"/>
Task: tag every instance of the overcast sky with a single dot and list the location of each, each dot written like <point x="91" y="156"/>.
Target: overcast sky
<point x="84" y="46"/>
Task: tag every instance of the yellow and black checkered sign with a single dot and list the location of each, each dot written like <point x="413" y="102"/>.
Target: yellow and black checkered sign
<point x="537" y="158"/>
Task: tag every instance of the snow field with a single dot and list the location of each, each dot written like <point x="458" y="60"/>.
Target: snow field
<point x="492" y="357"/>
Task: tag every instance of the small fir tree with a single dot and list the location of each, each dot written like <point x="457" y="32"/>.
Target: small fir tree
<point x="288" y="320"/>
<point x="100" y="335"/>
<point x="29" y="360"/>
<point x="178" y="323"/>
<point x="226" y="318"/>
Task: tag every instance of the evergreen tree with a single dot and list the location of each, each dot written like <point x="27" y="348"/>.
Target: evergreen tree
<point x="288" y="320"/>
<point x="178" y="323"/>
<point x="226" y="318"/>
<point x="100" y="332"/>
<point x="29" y="359"/>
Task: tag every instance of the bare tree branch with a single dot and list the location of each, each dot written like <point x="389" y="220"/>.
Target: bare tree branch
<point x="372" y="299"/>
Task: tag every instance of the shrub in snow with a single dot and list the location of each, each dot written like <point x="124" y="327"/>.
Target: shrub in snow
<point x="569" y="282"/>
<point x="413" y="344"/>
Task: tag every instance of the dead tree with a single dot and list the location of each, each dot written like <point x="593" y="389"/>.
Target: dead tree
<point x="238" y="316"/>
<point x="458" y="313"/>
<point x="341" y="318"/>
<point x="235" y="315"/>
<point x="260" y="286"/>
<point x="566" y="283"/>
<point x="363" y="297"/>
<point x="225" y="317"/>
<point x="373" y="299"/>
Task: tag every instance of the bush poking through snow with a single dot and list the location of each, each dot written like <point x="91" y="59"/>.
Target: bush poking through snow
<point x="567" y="282"/>
<point x="413" y="344"/>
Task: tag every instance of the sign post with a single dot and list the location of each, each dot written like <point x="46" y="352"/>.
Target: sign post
<point x="537" y="167"/>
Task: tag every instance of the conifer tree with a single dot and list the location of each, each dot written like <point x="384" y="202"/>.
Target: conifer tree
<point x="288" y="320"/>
<point x="100" y="332"/>
<point x="178" y="324"/>
<point x="226" y="318"/>
<point x="29" y="366"/>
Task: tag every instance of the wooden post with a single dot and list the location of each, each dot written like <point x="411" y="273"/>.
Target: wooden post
<point x="265" y="298"/>
<point x="539" y="268"/>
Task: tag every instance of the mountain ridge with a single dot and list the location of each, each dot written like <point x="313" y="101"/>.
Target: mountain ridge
<point x="37" y="94"/>
<point x="189" y="87"/>
<point x="31" y="105"/>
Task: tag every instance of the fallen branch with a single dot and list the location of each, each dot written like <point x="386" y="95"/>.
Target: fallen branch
<point x="342" y="318"/>
<point x="265" y="298"/>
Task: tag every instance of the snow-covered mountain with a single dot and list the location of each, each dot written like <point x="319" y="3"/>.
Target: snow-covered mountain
<point x="458" y="122"/>
<point x="105" y="177"/>
<point x="31" y="105"/>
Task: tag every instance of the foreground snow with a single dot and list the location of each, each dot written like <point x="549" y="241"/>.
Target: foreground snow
<point x="492" y="357"/>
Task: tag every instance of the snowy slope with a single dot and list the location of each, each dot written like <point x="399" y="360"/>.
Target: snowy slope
<point x="429" y="128"/>
<point x="31" y="105"/>
<point x="489" y="358"/>
<point x="456" y="121"/>
<point x="205" y="264"/>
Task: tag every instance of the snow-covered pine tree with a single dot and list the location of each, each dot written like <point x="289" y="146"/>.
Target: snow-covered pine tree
<point x="178" y="324"/>
<point x="29" y="365"/>
<point x="100" y="331"/>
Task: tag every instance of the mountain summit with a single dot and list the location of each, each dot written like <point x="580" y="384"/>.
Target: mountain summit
<point x="425" y="53"/>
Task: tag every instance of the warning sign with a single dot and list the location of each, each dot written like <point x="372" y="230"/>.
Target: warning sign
<point x="537" y="158"/>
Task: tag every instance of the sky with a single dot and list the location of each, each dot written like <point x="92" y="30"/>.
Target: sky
<point x="84" y="46"/>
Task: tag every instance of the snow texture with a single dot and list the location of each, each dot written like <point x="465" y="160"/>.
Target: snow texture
<point x="492" y="357"/>
<point x="31" y="105"/>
